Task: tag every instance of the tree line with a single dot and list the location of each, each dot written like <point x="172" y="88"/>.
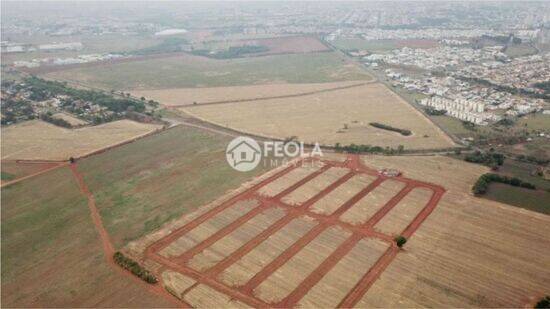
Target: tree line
<point x="482" y="184"/>
<point x="134" y="267"/>
<point x="404" y="132"/>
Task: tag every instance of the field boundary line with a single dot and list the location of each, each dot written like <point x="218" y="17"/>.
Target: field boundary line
<point x="12" y="182"/>
<point x="270" y="98"/>
<point x="108" y="248"/>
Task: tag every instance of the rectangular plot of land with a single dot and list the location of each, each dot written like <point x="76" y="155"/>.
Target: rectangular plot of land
<point x="285" y="279"/>
<point x="314" y="186"/>
<point x="176" y="283"/>
<point x="337" y="197"/>
<point x="236" y="239"/>
<point x="278" y="185"/>
<point x="203" y="296"/>
<point x="365" y="208"/>
<point x="343" y="277"/>
<point x="243" y="270"/>
<point x="404" y="212"/>
<point x="208" y="228"/>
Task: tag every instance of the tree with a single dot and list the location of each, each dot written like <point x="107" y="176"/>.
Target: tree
<point x="544" y="302"/>
<point x="72" y="160"/>
<point x="400" y="241"/>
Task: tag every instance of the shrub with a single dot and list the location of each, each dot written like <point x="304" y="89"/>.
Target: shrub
<point x="400" y="241"/>
<point x="482" y="183"/>
<point x="134" y="267"/>
<point x="544" y="302"/>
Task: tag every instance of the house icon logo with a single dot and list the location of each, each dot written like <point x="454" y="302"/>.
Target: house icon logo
<point x="243" y="154"/>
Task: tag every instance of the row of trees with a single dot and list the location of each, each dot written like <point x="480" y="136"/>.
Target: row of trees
<point x="434" y="112"/>
<point x="43" y="89"/>
<point x="482" y="184"/>
<point x="404" y="132"/>
<point x="57" y="121"/>
<point x="492" y="159"/>
<point x="134" y="267"/>
<point x="231" y="52"/>
<point x="352" y="148"/>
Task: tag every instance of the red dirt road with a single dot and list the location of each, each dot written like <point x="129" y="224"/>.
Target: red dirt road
<point x="108" y="248"/>
<point x="245" y="293"/>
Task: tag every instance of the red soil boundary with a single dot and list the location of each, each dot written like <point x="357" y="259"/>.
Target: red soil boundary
<point x="108" y="248"/>
<point x="245" y="293"/>
<point x="48" y="166"/>
<point x="295" y="95"/>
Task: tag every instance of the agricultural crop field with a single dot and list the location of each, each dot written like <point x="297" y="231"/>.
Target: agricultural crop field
<point x="38" y="140"/>
<point x="470" y="252"/>
<point x="340" y="116"/>
<point x="184" y="71"/>
<point x="280" y="241"/>
<point x="52" y="256"/>
<point x="138" y="187"/>
<point x="190" y="96"/>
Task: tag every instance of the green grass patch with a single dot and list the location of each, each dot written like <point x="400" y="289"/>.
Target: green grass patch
<point x="194" y="71"/>
<point x="51" y="252"/>
<point x="7" y="176"/>
<point x="141" y="186"/>
<point x="535" y="200"/>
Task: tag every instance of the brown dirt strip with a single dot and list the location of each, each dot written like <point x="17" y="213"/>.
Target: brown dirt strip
<point x="269" y="98"/>
<point x="54" y="166"/>
<point x="108" y="248"/>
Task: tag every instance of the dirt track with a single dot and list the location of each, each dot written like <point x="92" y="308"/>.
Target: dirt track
<point x="246" y="292"/>
<point x="108" y="248"/>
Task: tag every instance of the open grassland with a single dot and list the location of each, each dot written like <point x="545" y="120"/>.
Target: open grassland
<point x="40" y="140"/>
<point x="188" y="96"/>
<point x="51" y="252"/>
<point x="193" y="71"/>
<point x="538" y="200"/>
<point x="12" y="170"/>
<point x="275" y="45"/>
<point x="140" y="186"/>
<point x="470" y="252"/>
<point x="341" y="116"/>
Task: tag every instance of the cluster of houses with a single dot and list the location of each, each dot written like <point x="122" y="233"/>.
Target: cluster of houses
<point x="521" y="72"/>
<point x="18" y="102"/>
<point x="439" y="58"/>
<point x="66" y="61"/>
<point x="13" y="47"/>
<point x="463" y="100"/>
<point x="462" y="109"/>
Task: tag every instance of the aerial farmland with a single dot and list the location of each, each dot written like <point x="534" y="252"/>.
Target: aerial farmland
<point x="275" y="155"/>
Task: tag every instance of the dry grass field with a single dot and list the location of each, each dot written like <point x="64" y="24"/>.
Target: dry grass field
<point x="323" y="117"/>
<point x="251" y="248"/>
<point x="72" y="120"/>
<point x="188" y="96"/>
<point x="290" y="44"/>
<point x="38" y="140"/>
<point x="470" y="252"/>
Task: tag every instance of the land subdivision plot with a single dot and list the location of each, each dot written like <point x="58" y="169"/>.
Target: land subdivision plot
<point x="272" y="253"/>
